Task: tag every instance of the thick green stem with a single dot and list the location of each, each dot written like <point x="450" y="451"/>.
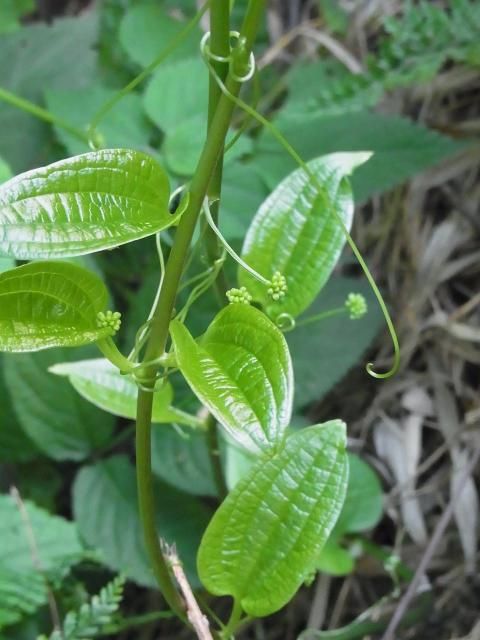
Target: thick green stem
<point x="146" y="504"/>
<point x="163" y="313"/>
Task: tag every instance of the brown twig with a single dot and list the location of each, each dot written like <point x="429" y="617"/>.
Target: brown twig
<point x="429" y="552"/>
<point x="37" y="563"/>
<point x="197" y="619"/>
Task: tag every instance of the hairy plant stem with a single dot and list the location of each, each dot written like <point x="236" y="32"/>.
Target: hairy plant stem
<point x="163" y="312"/>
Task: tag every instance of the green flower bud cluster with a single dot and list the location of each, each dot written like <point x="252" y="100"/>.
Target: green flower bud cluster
<point x="239" y="296"/>
<point x="278" y="287"/>
<point x="111" y="319"/>
<point x="356" y="305"/>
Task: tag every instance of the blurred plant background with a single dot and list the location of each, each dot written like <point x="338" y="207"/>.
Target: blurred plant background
<point x="396" y="77"/>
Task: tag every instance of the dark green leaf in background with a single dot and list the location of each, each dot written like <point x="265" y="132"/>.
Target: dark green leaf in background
<point x="57" y="548"/>
<point x="264" y="540"/>
<point x="241" y="370"/>
<point x="52" y="414"/>
<point x="170" y="101"/>
<point x="125" y="125"/>
<point x="87" y="203"/>
<point x="106" y="512"/>
<point x="401" y="148"/>
<point x="181" y="459"/>
<point x="157" y="28"/>
<point x="322" y="353"/>
<point x="15" y="446"/>
<point x="36" y="58"/>
<point x="361" y="511"/>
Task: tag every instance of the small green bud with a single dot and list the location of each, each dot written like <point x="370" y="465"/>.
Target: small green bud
<point x="110" y="319"/>
<point x="240" y="296"/>
<point x="278" y="287"/>
<point x="356" y="305"/>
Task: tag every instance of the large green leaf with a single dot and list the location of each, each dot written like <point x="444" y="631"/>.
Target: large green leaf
<point x="87" y="203"/>
<point x="263" y="541"/>
<point x="296" y="232"/>
<point x="102" y="384"/>
<point x="35" y="58"/>
<point x="241" y="370"/>
<point x="182" y="459"/>
<point x="124" y="126"/>
<point x="106" y="512"/>
<point x="61" y="423"/>
<point x="50" y="304"/>
<point x="57" y="548"/>
<point x="323" y="353"/>
<point x="400" y="148"/>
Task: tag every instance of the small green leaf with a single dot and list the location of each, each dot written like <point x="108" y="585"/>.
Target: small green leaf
<point x="241" y="370"/>
<point x="102" y="384"/>
<point x="264" y="540"/>
<point x="106" y="511"/>
<point x="296" y="232"/>
<point x="335" y="560"/>
<point x="364" y="501"/>
<point x="50" y="304"/>
<point x="87" y="203"/>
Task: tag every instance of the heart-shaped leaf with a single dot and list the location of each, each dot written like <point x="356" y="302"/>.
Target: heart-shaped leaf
<point x="87" y="203"/>
<point x="241" y="370"/>
<point x="297" y="233"/>
<point x="102" y="384"/>
<point x="264" y="540"/>
<point x="50" y="304"/>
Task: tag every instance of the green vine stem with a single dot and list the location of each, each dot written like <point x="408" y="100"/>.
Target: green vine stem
<point x="42" y="114"/>
<point x="162" y="315"/>
<point x="219" y="45"/>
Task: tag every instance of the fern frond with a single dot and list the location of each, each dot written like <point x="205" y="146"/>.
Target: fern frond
<point x="416" y="46"/>
<point x="93" y="616"/>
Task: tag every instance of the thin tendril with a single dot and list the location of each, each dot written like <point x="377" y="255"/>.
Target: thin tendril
<point x="245" y="124"/>
<point x="143" y="331"/>
<point x="291" y="151"/>
<point x="201" y="288"/>
<point x="228" y="248"/>
<point x="162" y="56"/>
